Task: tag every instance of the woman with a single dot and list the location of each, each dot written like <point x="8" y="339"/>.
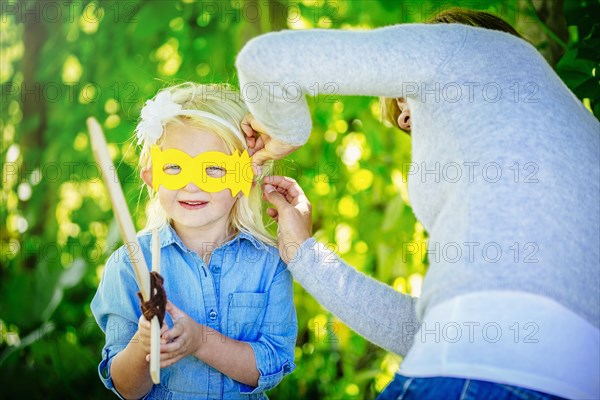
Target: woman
<point x="516" y="312"/>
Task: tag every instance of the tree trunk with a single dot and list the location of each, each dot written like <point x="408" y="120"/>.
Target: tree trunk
<point x="34" y="125"/>
<point x="552" y="16"/>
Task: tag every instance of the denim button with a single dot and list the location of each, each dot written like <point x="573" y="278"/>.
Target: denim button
<point x="216" y="269"/>
<point x="212" y="315"/>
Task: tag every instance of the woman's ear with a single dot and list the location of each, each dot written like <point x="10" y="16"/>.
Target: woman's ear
<point x="403" y="121"/>
<point x="146" y="175"/>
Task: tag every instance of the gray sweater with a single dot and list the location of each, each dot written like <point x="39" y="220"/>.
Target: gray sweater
<point x="505" y="174"/>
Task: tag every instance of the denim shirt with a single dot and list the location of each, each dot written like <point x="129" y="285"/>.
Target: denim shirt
<point x="245" y="293"/>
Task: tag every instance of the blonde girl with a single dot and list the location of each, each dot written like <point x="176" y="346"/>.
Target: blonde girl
<point x="231" y="325"/>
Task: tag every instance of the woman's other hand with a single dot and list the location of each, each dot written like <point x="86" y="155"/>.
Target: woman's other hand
<point x="292" y="212"/>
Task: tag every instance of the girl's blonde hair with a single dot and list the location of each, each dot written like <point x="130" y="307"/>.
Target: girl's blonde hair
<point x="223" y="101"/>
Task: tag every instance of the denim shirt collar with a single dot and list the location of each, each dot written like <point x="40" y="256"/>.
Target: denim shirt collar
<point x="168" y="236"/>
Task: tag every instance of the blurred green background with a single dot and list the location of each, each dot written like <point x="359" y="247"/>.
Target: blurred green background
<point x="63" y="61"/>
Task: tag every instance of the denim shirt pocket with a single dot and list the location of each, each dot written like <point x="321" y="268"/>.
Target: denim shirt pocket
<point x="245" y="315"/>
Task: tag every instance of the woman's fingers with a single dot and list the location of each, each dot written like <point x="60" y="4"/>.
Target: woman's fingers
<point x="286" y="183"/>
<point x="257" y="126"/>
<point x="261" y="156"/>
<point x="253" y="140"/>
<point x="273" y="149"/>
<point x="273" y="196"/>
<point x="259" y="144"/>
<point x="273" y="213"/>
<point x="246" y="125"/>
<point x="289" y="188"/>
<point x="292" y="211"/>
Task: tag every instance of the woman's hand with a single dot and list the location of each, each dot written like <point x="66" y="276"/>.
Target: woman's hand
<point x="292" y="212"/>
<point x="261" y="146"/>
<point x="183" y="339"/>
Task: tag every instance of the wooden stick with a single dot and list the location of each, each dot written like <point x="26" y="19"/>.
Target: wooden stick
<point x="111" y="180"/>
<point x="155" y="327"/>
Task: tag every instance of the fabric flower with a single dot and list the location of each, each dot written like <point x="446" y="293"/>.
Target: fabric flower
<point x="154" y="111"/>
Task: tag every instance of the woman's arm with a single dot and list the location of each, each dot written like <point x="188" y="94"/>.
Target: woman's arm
<point x="374" y="310"/>
<point x="277" y="70"/>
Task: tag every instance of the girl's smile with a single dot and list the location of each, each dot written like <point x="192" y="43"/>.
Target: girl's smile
<point x="193" y="205"/>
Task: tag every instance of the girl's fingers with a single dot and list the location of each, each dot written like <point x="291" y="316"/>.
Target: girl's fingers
<point x="173" y="333"/>
<point x="143" y="322"/>
<point x="168" y="363"/>
<point x="171" y="353"/>
<point x="172" y="347"/>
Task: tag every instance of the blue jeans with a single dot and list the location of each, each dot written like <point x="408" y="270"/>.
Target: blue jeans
<point x="407" y="388"/>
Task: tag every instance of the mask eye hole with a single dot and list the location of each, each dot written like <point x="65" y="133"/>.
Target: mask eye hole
<point x="215" y="171"/>
<point x="172" y="169"/>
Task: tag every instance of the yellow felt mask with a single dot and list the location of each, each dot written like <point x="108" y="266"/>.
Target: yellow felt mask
<point x="211" y="171"/>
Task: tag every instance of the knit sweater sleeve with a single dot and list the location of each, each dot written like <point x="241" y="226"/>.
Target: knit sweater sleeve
<point x="277" y="70"/>
<point x="374" y="310"/>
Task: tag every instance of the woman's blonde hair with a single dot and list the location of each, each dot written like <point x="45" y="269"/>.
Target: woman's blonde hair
<point x="223" y="101"/>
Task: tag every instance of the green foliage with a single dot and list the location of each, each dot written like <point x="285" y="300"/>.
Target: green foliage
<point x="105" y="58"/>
<point x="580" y="66"/>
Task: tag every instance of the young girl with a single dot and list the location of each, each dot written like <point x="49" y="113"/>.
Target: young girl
<point x="231" y="325"/>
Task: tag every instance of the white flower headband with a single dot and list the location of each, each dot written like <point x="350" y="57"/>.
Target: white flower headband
<point x="154" y="112"/>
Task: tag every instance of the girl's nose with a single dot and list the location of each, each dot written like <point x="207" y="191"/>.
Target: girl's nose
<point x="191" y="187"/>
<point x="404" y="119"/>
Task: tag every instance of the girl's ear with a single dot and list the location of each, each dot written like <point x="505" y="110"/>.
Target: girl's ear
<point x="146" y="175"/>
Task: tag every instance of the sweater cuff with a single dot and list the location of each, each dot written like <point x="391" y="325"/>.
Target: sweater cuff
<point x="310" y="253"/>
